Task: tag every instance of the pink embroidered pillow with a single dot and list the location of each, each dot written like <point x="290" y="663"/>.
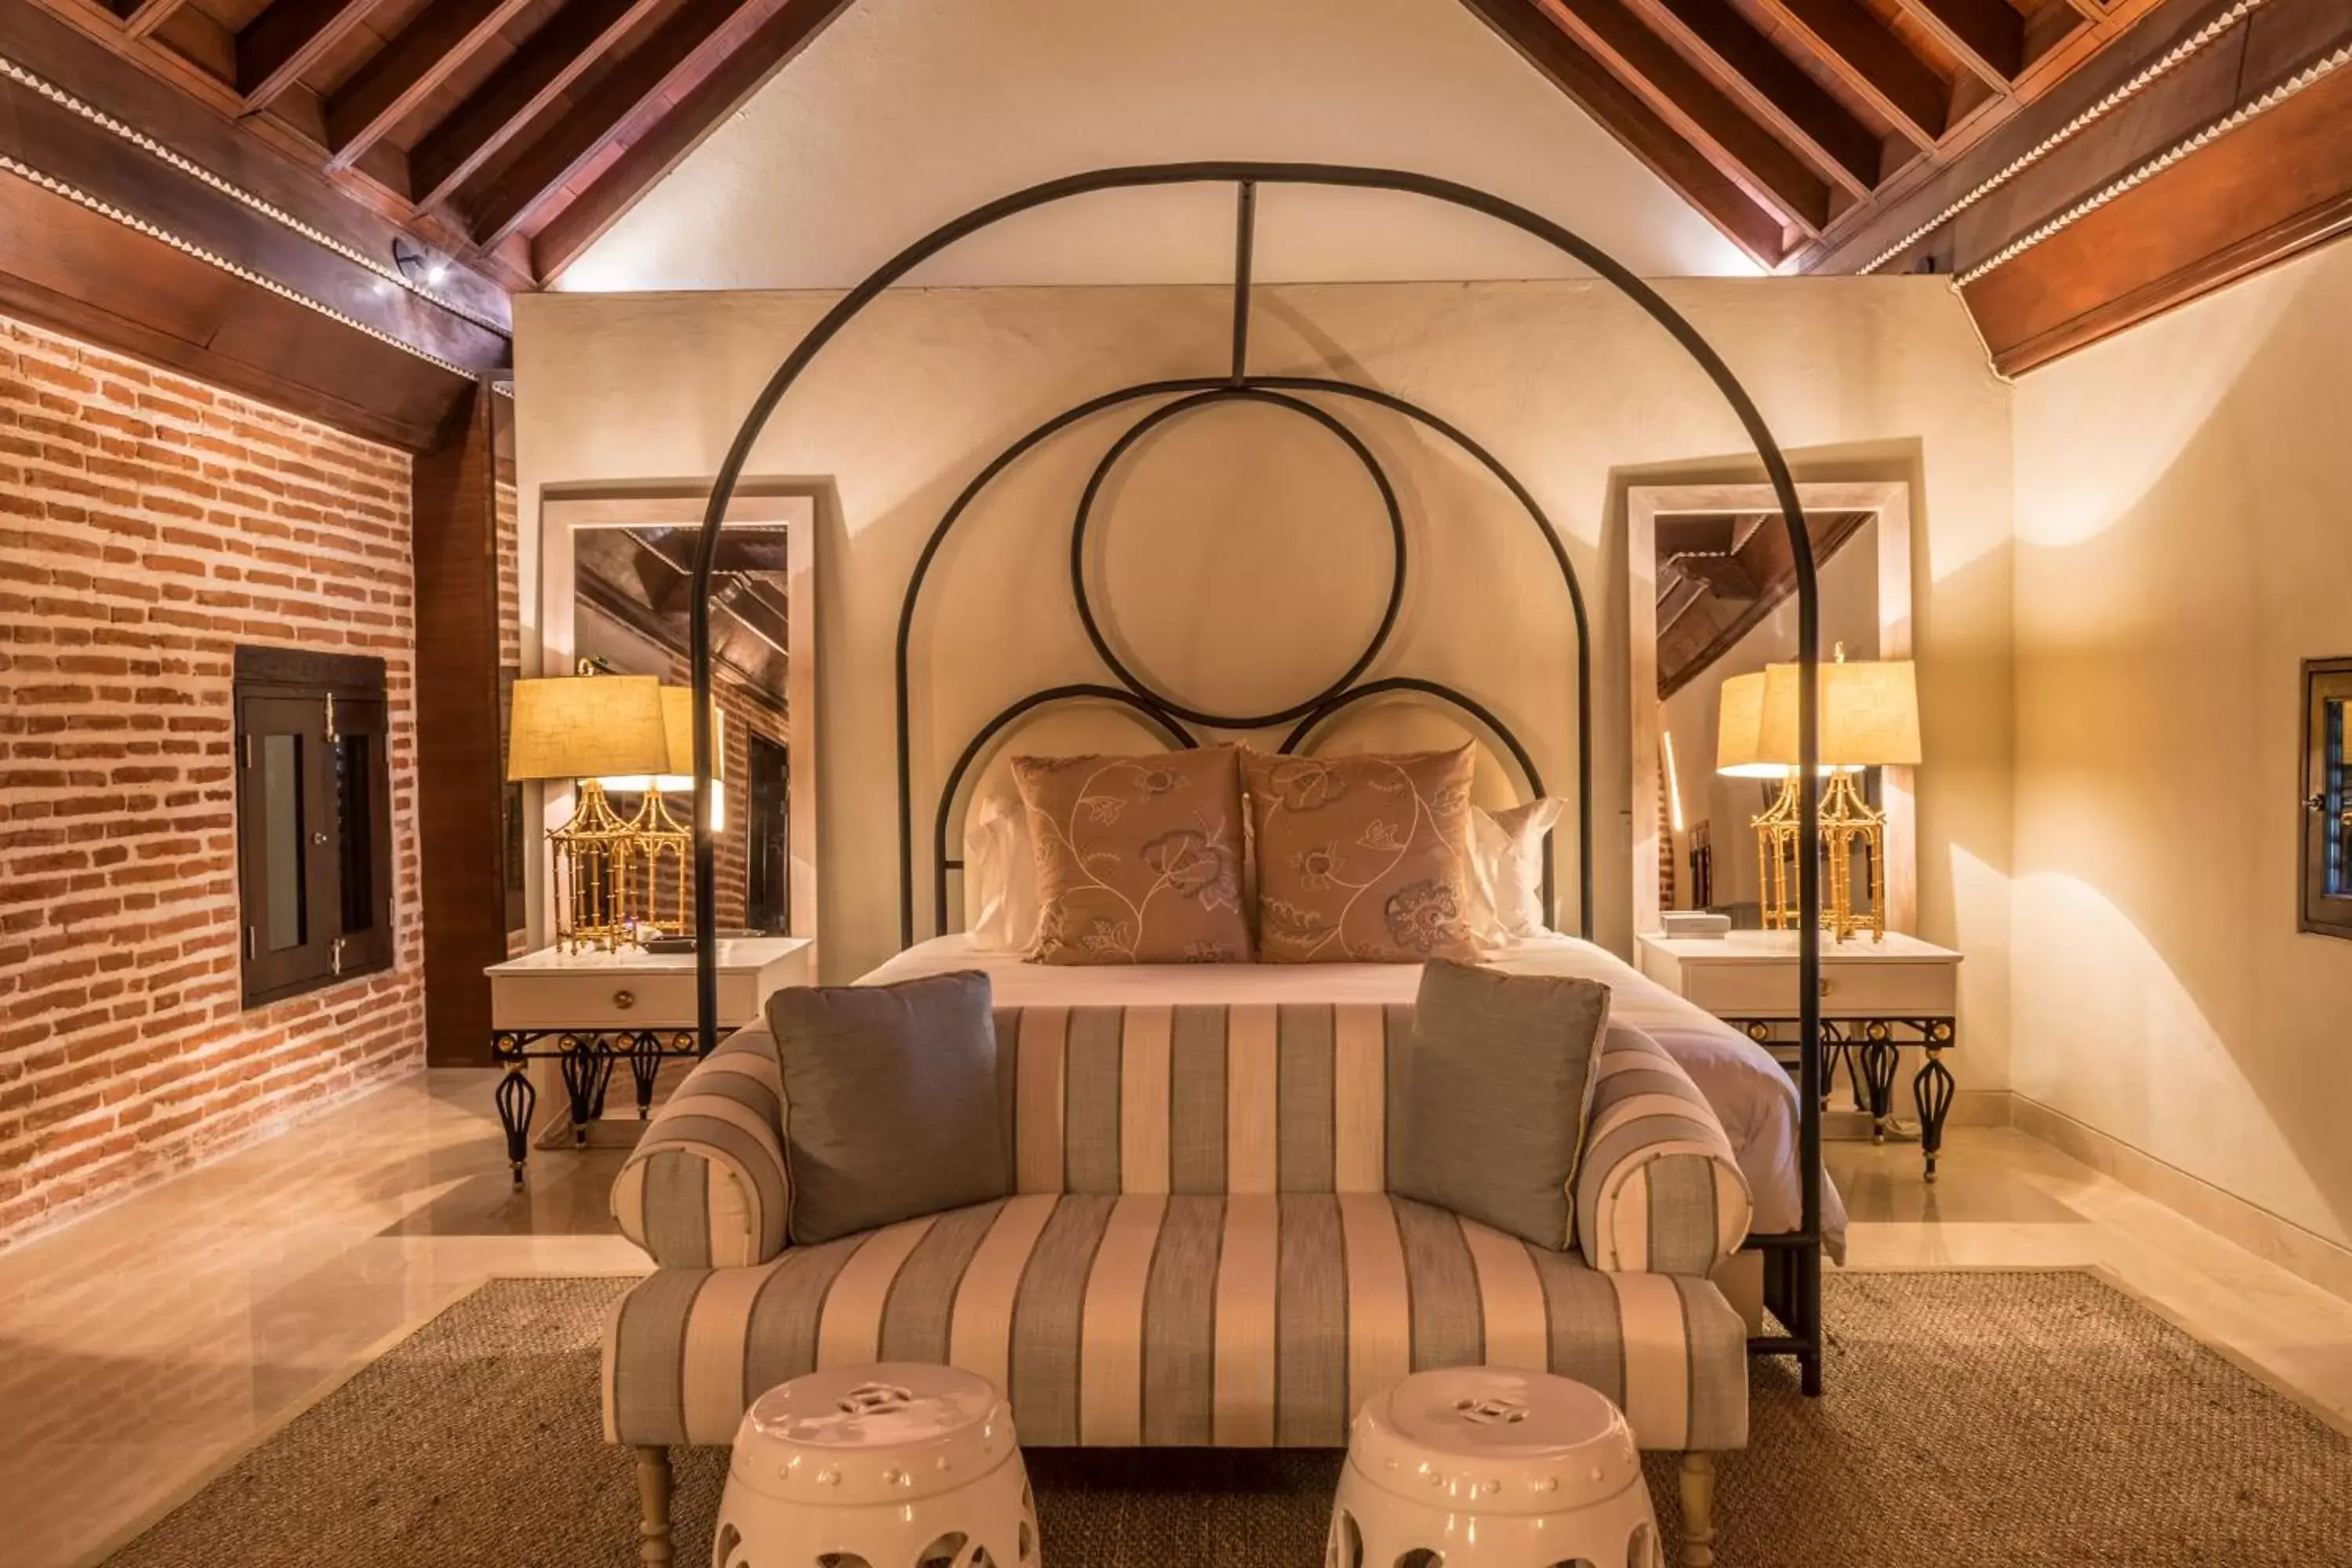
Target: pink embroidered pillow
<point x="1139" y="858"/>
<point x="1364" y="860"/>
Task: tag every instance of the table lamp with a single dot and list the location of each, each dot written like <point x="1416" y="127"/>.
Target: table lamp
<point x="1740" y="752"/>
<point x="656" y="833"/>
<point x="588" y="728"/>
<point x="1869" y="717"/>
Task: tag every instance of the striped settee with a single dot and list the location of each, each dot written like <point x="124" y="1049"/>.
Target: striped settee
<point x="1202" y="1249"/>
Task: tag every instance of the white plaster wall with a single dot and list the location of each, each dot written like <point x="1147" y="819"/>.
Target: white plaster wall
<point x="906" y="112"/>
<point x="2183" y="544"/>
<point x="1567" y="382"/>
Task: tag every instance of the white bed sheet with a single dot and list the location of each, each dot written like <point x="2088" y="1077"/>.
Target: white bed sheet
<point x="1752" y="1094"/>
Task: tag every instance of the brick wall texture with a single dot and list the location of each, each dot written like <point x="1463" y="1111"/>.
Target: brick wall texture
<point x="148" y="526"/>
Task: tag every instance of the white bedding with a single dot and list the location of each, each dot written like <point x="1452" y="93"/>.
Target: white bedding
<point x="1751" y="1093"/>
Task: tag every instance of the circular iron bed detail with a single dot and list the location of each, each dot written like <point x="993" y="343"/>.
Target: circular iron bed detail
<point x="1793" y="1259"/>
<point x="1238" y="392"/>
<point x="1170" y="716"/>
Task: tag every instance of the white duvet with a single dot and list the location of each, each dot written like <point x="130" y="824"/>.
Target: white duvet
<point x="1752" y="1094"/>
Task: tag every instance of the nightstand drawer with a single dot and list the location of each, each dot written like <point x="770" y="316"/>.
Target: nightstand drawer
<point x="1871" y="988"/>
<point x="591" y="990"/>
<point x="593" y="1001"/>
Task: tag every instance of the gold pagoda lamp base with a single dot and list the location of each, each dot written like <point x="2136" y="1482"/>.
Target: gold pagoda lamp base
<point x="1846" y="820"/>
<point x="655" y="836"/>
<point x="595" y="856"/>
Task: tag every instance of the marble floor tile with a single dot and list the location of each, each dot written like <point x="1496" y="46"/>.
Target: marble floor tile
<point x="146" y="1346"/>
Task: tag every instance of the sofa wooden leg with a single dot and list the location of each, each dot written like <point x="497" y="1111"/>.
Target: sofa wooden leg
<point x="1698" y="1510"/>
<point x="654" y="1479"/>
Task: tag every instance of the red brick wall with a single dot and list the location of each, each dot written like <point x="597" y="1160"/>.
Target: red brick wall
<point x="148" y="525"/>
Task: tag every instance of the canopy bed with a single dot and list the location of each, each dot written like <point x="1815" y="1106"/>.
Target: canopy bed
<point x="1774" y="1125"/>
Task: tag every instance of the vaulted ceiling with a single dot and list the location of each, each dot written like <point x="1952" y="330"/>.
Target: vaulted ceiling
<point x="1788" y="122"/>
<point x="510" y="130"/>
<point x="497" y="140"/>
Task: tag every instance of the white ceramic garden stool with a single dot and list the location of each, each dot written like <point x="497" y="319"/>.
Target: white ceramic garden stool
<point x="1479" y="1468"/>
<point x="896" y="1466"/>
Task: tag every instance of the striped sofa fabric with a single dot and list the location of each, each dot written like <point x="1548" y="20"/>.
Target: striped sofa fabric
<point x="1202" y="1249"/>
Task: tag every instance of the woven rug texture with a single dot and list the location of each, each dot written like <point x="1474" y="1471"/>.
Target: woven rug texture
<point x="1998" y="1418"/>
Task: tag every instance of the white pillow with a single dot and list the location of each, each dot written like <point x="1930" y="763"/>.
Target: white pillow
<point x="1000" y="876"/>
<point x="1507" y="860"/>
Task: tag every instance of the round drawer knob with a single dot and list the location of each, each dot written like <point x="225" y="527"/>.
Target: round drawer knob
<point x="1823" y="988"/>
<point x="625" y="1000"/>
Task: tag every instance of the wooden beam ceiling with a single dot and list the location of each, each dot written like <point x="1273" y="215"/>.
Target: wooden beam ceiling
<point x="506" y="135"/>
<point x="164" y="231"/>
<point x="1568" y="66"/>
<point x="2267" y="192"/>
<point x="392" y="84"/>
<point x="478" y="125"/>
<point x="2079" y="164"/>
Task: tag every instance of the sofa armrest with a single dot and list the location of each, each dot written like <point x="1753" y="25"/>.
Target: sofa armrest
<point x="707" y="1186"/>
<point x="1658" y="1189"/>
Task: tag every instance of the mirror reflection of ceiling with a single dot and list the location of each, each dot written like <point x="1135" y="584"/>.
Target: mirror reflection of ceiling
<point x="1720" y="574"/>
<point x="903" y="113"/>
<point x="643" y="577"/>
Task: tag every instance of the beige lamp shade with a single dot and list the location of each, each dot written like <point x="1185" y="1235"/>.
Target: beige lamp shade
<point x="587" y="726"/>
<point x="678" y="776"/>
<point x="1740" y="730"/>
<point x="677" y="723"/>
<point x="1869" y="714"/>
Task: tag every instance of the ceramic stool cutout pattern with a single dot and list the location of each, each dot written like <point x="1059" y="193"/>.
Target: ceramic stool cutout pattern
<point x="1481" y="1467"/>
<point x="894" y="1466"/>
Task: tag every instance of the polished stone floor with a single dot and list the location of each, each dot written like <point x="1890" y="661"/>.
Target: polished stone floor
<point x="145" y="1348"/>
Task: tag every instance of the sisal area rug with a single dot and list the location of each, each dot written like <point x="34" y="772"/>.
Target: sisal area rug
<point x="1978" y="1418"/>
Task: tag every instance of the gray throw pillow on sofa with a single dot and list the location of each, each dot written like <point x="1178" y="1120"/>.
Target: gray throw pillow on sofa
<point x="1497" y="1085"/>
<point x="890" y="1106"/>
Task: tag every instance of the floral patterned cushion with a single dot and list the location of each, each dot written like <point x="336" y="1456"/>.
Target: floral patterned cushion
<point x="1364" y="860"/>
<point x="1139" y="858"/>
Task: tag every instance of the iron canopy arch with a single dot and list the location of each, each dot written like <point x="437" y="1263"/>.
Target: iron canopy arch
<point x="1805" y="1342"/>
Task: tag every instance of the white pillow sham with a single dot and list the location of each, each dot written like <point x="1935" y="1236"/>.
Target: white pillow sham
<point x="1507" y="860"/>
<point x="1000" y="876"/>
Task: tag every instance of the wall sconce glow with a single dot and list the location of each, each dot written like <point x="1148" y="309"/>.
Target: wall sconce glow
<point x="1674" y="784"/>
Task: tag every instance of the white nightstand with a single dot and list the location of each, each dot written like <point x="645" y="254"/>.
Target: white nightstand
<point x="586" y="1010"/>
<point x="1877" y="998"/>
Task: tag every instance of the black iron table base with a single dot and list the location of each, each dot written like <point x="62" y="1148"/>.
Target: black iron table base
<point x="1872" y="1051"/>
<point x="587" y="1057"/>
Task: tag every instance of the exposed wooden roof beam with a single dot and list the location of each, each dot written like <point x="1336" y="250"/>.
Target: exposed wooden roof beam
<point x="95" y="70"/>
<point x="1776" y="87"/>
<point x="147" y="15"/>
<point x="1692" y="103"/>
<point x="1571" y="68"/>
<point x="277" y="46"/>
<point x="1988" y="36"/>
<point x="565" y="138"/>
<point x="397" y="77"/>
<point x="2270" y="189"/>
<point x="126" y="248"/>
<point x="550" y="61"/>
<point x="658" y="150"/>
<point x="1869" y="59"/>
<point x="2050" y="150"/>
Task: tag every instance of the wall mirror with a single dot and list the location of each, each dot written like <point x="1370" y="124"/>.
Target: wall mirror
<point x="616" y="594"/>
<point x="1712" y="597"/>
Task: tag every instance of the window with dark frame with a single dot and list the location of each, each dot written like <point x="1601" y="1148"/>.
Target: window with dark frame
<point x="313" y="820"/>
<point x="2326" y="879"/>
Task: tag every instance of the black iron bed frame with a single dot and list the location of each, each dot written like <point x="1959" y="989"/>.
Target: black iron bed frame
<point x="1791" y="1260"/>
